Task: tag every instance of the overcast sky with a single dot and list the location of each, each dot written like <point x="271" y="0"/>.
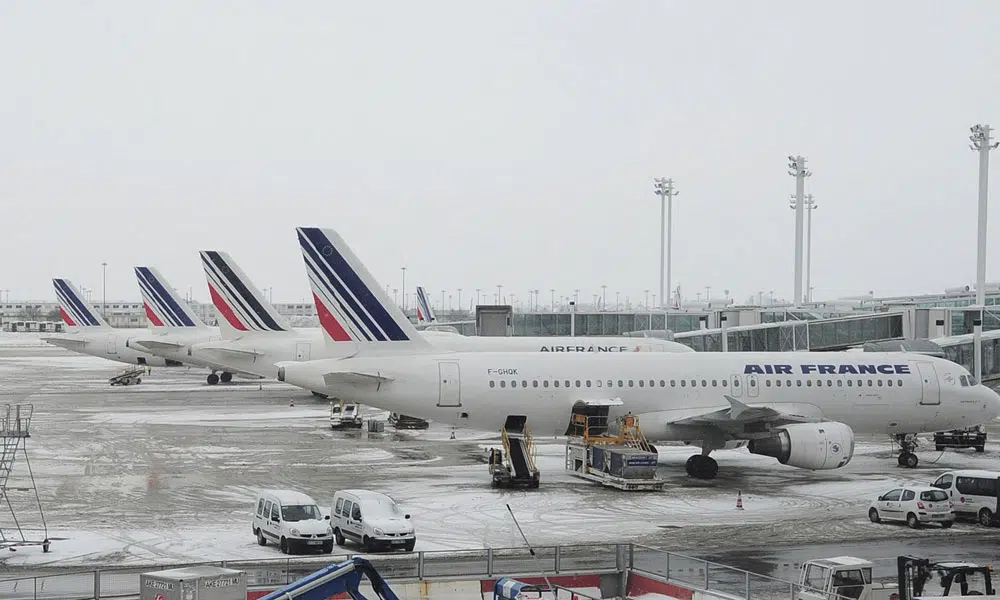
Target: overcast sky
<point x="504" y="143"/>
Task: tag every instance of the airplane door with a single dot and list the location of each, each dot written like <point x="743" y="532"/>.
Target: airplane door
<point x="752" y="390"/>
<point x="302" y="350"/>
<point x="112" y="346"/>
<point x="931" y="385"/>
<point x="450" y="389"/>
<point x="736" y="386"/>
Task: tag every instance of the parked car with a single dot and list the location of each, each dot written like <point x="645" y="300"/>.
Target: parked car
<point x="914" y="505"/>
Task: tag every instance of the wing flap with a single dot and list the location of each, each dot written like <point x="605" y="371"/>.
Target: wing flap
<point x="233" y="351"/>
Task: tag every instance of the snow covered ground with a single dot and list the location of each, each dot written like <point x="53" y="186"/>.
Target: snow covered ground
<point x="166" y="472"/>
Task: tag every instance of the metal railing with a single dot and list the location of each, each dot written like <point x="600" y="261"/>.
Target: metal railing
<point x="714" y="578"/>
<point x="686" y="571"/>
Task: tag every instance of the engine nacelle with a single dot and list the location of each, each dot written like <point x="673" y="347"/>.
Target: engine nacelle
<point x="814" y="446"/>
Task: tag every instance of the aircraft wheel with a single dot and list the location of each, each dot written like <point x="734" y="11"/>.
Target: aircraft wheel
<point x="226" y="377"/>
<point x="213" y="379"/>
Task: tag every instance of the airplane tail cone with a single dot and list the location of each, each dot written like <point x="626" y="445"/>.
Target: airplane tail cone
<point x="739" y="500"/>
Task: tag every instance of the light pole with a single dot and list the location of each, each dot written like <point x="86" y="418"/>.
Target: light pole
<point x="604" y="297"/>
<point x="797" y="169"/>
<point x="479" y="296"/>
<point x="810" y="206"/>
<point x="646" y="303"/>
<point x="617" y="303"/>
<point x="104" y="290"/>
<point x="460" y="300"/>
<point x="403" y="288"/>
<point x="552" y="301"/>
<point x="664" y="188"/>
<point x="442" y="300"/>
<point x="981" y="138"/>
<point x="499" y="294"/>
<point x="576" y="297"/>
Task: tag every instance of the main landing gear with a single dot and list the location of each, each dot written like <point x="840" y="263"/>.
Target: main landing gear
<point x="214" y="379"/>
<point x="703" y="466"/>
<point x="907" y="444"/>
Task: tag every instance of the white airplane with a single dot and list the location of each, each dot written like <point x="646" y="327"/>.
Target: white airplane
<point x="427" y="320"/>
<point x="88" y="333"/>
<point x="802" y="408"/>
<point x="255" y="337"/>
<point x="174" y="328"/>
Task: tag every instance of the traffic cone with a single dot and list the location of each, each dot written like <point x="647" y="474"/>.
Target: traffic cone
<point x="739" y="500"/>
<point x="291" y="402"/>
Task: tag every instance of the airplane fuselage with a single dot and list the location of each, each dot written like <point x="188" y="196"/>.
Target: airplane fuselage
<point x="112" y="344"/>
<point x="260" y="353"/>
<point x="873" y="393"/>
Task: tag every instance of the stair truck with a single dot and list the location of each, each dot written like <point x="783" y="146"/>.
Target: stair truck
<point x="850" y="578"/>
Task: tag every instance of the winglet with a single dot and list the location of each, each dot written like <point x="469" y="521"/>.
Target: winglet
<point x="738" y="408"/>
<point x="164" y="308"/>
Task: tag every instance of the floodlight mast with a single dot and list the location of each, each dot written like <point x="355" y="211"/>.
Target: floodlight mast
<point x="664" y="188"/>
<point x="981" y="139"/>
<point x="797" y="169"/>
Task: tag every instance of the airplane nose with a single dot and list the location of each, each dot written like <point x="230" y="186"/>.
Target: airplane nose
<point x="992" y="401"/>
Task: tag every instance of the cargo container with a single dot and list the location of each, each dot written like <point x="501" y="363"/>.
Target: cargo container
<point x="193" y="583"/>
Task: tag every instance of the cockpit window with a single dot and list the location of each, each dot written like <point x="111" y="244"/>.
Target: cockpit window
<point x="964" y="381"/>
<point x="972" y="380"/>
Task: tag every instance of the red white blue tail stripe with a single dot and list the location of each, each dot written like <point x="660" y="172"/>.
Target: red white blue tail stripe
<point x="236" y="298"/>
<point x="163" y="307"/>
<point x="350" y="303"/>
<point x="425" y="314"/>
<point x="75" y="311"/>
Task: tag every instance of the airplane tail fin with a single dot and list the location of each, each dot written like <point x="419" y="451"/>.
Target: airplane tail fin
<point x="164" y="308"/>
<point x="425" y="313"/>
<point x="241" y="306"/>
<point x="351" y="304"/>
<point x="75" y="310"/>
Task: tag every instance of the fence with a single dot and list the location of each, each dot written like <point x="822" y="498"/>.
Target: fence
<point x="689" y="573"/>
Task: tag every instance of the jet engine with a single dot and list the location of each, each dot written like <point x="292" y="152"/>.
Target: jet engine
<point x="814" y="446"/>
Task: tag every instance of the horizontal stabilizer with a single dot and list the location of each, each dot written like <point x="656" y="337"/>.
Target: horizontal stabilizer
<point x="232" y="351"/>
<point x="155" y="344"/>
<point x="337" y="378"/>
<point x="602" y="402"/>
<point x="64" y="341"/>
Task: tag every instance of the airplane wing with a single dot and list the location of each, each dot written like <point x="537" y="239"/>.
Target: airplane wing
<point x="338" y="378"/>
<point x="736" y="419"/>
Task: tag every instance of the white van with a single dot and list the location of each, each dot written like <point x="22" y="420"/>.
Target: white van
<point x="292" y="520"/>
<point x="372" y="520"/>
<point x="973" y="493"/>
